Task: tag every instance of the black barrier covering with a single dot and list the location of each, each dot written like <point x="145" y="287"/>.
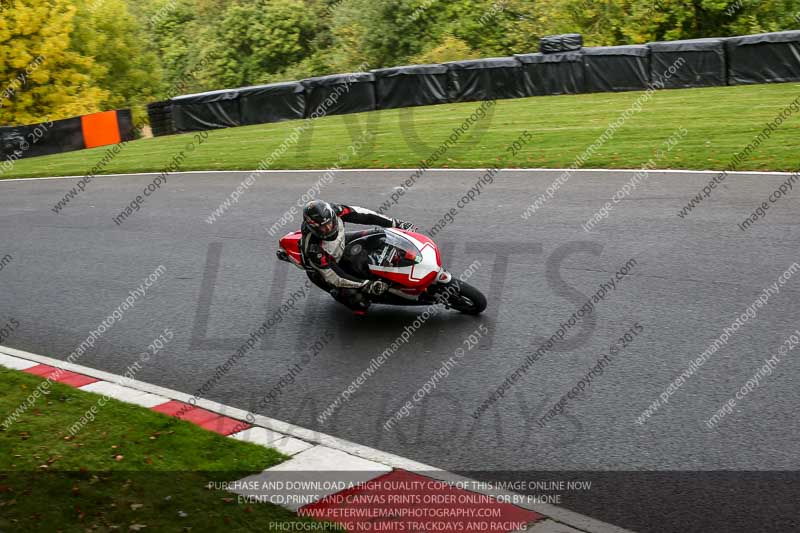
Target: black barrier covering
<point x="272" y="103"/>
<point x="616" y="68"/>
<point x="19" y="142"/>
<point x="160" y="115"/>
<point x="553" y="44"/>
<point x="486" y="79"/>
<point x="339" y="94"/>
<point x="206" y="111"/>
<point x="769" y="57"/>
<point x="125" y="125"/>
<point x="410" y="86"/>
<point x="764" y="58"/>
<point x="553" y="73"/>
<point x="703" y="63"/>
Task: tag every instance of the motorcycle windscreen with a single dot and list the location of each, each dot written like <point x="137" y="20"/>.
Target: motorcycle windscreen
<point x="396" y="253"/>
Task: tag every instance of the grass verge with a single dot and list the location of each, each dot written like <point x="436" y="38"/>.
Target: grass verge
<point x="720" y="121"/>
<point x="131" y="469"/>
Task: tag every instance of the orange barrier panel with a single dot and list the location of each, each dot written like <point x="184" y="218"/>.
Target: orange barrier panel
<point x="100" y="129"/>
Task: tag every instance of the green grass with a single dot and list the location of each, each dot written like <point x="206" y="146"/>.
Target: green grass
<point x="129" y="467"/>
<point x="720" y="122"/>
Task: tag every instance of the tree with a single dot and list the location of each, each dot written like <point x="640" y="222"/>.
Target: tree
<point x="115" y="39"/>
<point x="450" y="49"/>
<point x="372" y="34"/>
<point x="182" y="34"/>
<point x="42" y="77"/>
<point x="254" y="40"/>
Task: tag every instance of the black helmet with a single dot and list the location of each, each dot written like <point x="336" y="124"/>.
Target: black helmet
<point x="321" y="219"/>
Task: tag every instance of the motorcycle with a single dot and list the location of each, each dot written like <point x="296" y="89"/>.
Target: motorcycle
<point x="408" y="262"/>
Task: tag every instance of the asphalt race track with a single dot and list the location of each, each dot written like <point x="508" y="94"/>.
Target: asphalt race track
<point x="691" y="277"/>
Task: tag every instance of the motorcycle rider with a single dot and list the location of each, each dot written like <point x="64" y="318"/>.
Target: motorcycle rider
<point x="322" y="245"/>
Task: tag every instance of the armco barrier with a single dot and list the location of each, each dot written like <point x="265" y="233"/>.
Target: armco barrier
<point x="763" y="58"/>
<point x="340" y="94"/>
<point x="487" y="79"/>
<point x="411" y="86"/>
<point x="616" y="68"/>
<point x="88" y="131"/>
<point x="160" y="115"/>
<point x="272" y="103"/>
<point x="703" y="66"/>
<point x="551" y="74"/>
<point x="206" y="111"/>
<point x="770" y="57"/>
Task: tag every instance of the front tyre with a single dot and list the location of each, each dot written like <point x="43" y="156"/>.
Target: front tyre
<point x="463" y="297"/>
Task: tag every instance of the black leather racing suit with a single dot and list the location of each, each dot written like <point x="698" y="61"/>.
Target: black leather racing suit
<point x="320" y="257"/>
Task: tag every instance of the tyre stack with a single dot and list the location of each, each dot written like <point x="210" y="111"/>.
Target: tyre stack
<point x="555" y="44"/>
<point x="160" y="114"/>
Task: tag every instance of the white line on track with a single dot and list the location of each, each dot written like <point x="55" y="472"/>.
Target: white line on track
<point x="375" y="170"/>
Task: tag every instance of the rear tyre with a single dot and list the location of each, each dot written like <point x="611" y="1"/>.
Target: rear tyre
<point x="464" y="297"/>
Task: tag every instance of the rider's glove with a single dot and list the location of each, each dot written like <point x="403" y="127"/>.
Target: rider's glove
<point x="404" y="225"/>
<point x="375" y="287"/>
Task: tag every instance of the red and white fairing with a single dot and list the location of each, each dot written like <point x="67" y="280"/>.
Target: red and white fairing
<point x="418" y="275"/>
<point x="290" y="243"/>
<point x="421" y="268"/>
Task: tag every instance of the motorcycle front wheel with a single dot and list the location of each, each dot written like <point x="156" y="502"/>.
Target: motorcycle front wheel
<point x="463" y="297"/>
